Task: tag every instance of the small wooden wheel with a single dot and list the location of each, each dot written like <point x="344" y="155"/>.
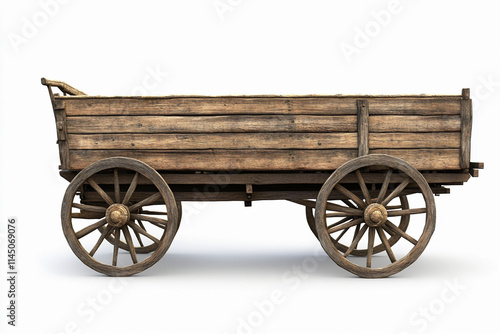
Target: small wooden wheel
<point x="121" y="214"/>
<point x="402" y="225"/>
<point x="370" y="212"/>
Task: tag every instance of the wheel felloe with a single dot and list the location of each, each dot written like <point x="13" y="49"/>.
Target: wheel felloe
<point x="121" y="213"/>
<point x="370" y="223"/>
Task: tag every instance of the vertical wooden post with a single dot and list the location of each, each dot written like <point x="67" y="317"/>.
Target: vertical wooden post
<point x="465" y="128"/>
<point x="60" y="114"/>
<point x="363" y="130"/>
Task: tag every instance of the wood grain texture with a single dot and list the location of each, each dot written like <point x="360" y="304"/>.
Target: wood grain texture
<point x="313" y="105"/>
<point x="363" y="121"/>
<point x="465" y="131"/>
<point x="217" y="160"/>
<point x="211" y="124"/>
<point x="415" y="140"/>
<point x="62" y="136"/>
<point x="236" y="141"/>
<point x="414" y="123"/>
<point x="244" y="123"/>
<point x="318" y="178"/>
<point x="264" y="160"/>
<point x="240" y="141"/>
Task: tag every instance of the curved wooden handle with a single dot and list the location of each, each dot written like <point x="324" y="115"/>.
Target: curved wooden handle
<point x="64" y="87"/>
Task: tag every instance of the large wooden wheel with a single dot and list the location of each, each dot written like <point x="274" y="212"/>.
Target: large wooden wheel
<point x="403" y="223"/>
<point x="122" y="214"/>
<point x="366" y="218"/>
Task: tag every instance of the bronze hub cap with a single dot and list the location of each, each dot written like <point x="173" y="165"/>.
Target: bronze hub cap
<point x="375" y="215"/>
<point x="117" y="215"/>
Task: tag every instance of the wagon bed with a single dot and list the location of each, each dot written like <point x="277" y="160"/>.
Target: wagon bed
<point x="249" y="148"/>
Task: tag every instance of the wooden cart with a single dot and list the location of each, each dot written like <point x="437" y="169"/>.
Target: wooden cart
<point x="365" y="168"/>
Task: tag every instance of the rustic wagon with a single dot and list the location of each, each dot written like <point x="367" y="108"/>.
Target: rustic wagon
<point x="365" y="168"/>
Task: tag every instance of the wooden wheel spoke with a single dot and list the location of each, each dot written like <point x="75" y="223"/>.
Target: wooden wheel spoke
<point x="104" y="234"/>
<point x="396" y="191"/>
<point x="339" y="222"/>
<point x="396" y="230"/>
<point x="146" y="212"/>
<point x="116" y="246"/>
<point x="116" y="182"/>
<point x="345" y="225"/>
<point x="351" y="196"/>
<point x="90" y="208"/>
<point x="356" y="231"/>
<point x="340" y="208"/>
<point x="342" y="234"/>
<point x="131" y="189"/>
<point x="395" y="213"/>
<point x="363" y="187"/>
<point x="384" y="187"/>
<point x="153" y="220"/>
<point x="141" y="230"/>
<point x="147" y="201"/>
<point x="393" y="207"/>
<point x="101" y="192"/>
<point x="87" y="215"/>
<point x="130" y="244"/>
<point x="141" y="225"/>
<point x="138" y="236"/>
<point x="386" y="244"/>
<point x="356" y="240"/>
<point x="371" y="241"/>
<point x="83" y="232"/>
<point x="349" y="203"/>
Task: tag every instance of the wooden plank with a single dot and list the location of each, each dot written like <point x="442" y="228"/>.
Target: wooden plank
<point x="466" y="129"/>
<point x="265" y="160"/>
<point x="223" y="160"/>
<point x="230" y="105"/>
<point x="426" y="159"/>
<point x="271" y="178"/>
<point x="210" y="124"/>
<point x="62" y="135"/>
<point x="414" y="123"/>
<point x="197" y="194"/>
<point x="414" y="140"/>
<point x="363" y="113"/>
<point x="200" y="141"/>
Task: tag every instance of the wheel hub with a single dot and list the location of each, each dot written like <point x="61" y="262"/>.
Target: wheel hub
<point x="375" y="215"/>
<point x="117" y="215"/>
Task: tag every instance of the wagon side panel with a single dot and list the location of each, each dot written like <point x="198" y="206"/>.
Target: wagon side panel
<point x="264" y="133"/>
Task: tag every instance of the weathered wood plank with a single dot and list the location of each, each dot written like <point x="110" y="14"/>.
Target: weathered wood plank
<point x="158" y="141"/>
<point x="426" y="159"/>
<point x="222" y="160"/>
<point x="341" y="140"/>
<point x="363" y="119"/>
<point x="415" y="140"/>
<point x="271" y="178"/>
<point x="414" y="123"/>
<point x="466" y="129"/>
<point x="62" y="135"/>
<point x="265" y="160"/>
<point x="211" y="124"/>
<point x="314" y="105"/>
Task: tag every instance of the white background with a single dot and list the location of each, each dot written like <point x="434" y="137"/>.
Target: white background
<point x="227" y="260"/>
